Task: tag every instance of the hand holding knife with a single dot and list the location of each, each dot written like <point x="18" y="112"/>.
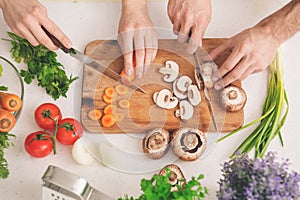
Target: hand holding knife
<point x="90" y="62"/>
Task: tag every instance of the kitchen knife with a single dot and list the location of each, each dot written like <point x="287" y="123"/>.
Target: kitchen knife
<point x="91" y="62"/>
<point x="205" y="90"/>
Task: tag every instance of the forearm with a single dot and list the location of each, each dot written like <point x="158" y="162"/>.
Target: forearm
<point x="133" y="5"/>
<point x="284" y="23"/>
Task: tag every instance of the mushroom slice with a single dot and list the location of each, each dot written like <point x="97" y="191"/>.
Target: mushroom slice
<point x="188" y="143"/>
<point x="208" y="69"/>
<point x="176" y="176"/>
<point x="177" y="93"/>
<point x="155" y="95"/>
<point x="156" y="143"/>
<point x="172" y="103"/>
<point x="185" y="110"/>
<point x="163" y="98"/>
<point x="170" y="70"/>
<point x="194" y="95"/>
<point x="183" y="83"/>
<point x="233" y="98"/>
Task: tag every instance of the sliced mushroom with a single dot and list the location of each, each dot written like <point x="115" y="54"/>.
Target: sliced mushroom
<point x="163" y="98"/>
<point x="156" y="143"/>
<point x="177" y="93"/>
<point x="176" y="177"/>
<point x="185" y="110"/>
<point x="194" y="95"/>
<point x="172" y="103"/>
<point x="233" y="98"/>
<point x="170" y="70"/>
<point x="188" y="143"/>
<point x="183" y="83"/>
<point x="155" y="95"/>
<point x="208" y="69"/>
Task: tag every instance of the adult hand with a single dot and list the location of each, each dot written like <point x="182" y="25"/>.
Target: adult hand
<point x="26" y="18"/>
<point x="190" y="18"/>
<point x="137" y="37"/>
<point x="253" y="49"/>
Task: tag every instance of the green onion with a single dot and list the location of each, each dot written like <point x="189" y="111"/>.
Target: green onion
<point x="274" y="113"/>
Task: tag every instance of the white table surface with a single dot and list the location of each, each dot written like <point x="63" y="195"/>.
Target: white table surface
<point x="84" y="21"/>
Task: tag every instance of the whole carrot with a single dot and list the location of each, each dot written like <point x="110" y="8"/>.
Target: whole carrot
<point x="7" y="120"/>
<point x="10" y="102"/>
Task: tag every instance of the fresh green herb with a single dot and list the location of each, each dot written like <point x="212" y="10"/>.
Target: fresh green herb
<point x="3" y="88"/>
<point x="273" y="117"/>
<point x="4" y="144"/>
<point x="41" y="64"/>
<point x="1" y="70"/>
<point x="158" y="188"/>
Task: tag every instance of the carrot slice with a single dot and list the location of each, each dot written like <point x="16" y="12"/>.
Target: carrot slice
<point x="109" y="92"/>
<point x="119" y="117"/>
<point x="94" y="114"/>
<point x="121" y="89"/>
<point x="109" y="109"/>
<point x="7" y="120"/>
<point x="10" y="102"/>
<point x="124" y="103"/>
<point x="107" y="99"/>
<point x="108" y="120"/>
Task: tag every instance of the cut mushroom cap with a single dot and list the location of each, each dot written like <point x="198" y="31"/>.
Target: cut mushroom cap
<point x="163" y="98"/>
<point x="177" y="93"/>
<point x="183" y="83"/>
<point x="176" y="176"/>
<point x="188" y="143"/>
<point x="194" y="95"/>
<point x="207" y="71"/>
<point x="156" y="143"/>
<point x="170" y="70"/>
<point x="233" y="98"/>
<point x="185" y="110"/>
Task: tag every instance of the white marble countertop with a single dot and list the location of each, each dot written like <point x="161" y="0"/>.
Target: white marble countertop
<point x="85" y="21"/>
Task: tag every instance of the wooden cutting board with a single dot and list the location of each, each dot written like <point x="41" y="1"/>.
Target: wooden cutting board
<point x="143" y="114"/>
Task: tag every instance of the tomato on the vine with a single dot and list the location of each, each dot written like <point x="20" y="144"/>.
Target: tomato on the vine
<point x="39" y="144"/>
<point x="69" y="130"/>
<point x="46" y="115"/>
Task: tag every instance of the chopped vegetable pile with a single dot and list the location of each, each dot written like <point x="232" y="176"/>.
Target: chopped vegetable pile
<point x="41" y="64"/>
<point x="274" y="114"/>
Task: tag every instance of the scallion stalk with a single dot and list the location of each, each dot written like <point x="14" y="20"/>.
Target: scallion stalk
<point x="274" y="113"/>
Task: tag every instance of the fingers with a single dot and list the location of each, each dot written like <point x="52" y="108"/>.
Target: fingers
<point x="57" y="32"/>
<point x="143" y="42"/>
<point x="125" y="41"/>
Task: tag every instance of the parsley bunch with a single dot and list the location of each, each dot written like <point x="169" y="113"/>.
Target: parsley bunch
<point x="4" y="144"/>
<point x="158" y="188"/>
<point x="41" y="64"/>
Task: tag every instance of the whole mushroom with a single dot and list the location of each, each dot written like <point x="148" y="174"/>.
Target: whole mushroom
<point x="233" y="98"/>
<point x="176" y="176"/>
<point x="188" y="143"/>
<point x="156" y="143"/>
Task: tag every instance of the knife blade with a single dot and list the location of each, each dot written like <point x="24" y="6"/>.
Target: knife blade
<point x="91" y="62"/>
<point x="205" y="90"/>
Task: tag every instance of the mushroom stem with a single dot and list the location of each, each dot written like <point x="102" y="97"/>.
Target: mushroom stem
<point x="232" y="94"/>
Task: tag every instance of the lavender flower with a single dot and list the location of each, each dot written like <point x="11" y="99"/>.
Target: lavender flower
<point x="258" y="179"/>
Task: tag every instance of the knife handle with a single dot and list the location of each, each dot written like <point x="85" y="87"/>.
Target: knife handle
<point x="56" y="41"/>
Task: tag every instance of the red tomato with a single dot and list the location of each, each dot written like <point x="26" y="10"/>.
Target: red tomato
<point x="46" y="115"/>
<point x="69" y="130"/>
<point x="38" y="144"/>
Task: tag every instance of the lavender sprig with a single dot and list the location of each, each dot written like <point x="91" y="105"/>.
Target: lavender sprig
<point x="255" y="179"/>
